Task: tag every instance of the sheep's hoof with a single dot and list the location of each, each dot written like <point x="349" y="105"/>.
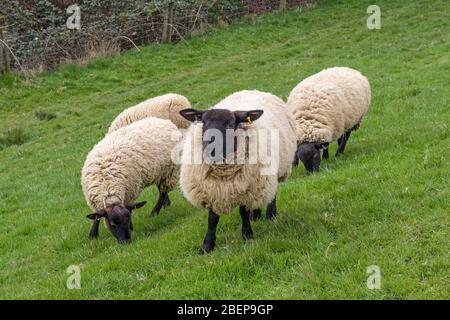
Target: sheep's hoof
<point x="154" y="212"/>
<point x="247" y="234"/>
<point x="207" y="247"/>
<point x="255" y="215"/>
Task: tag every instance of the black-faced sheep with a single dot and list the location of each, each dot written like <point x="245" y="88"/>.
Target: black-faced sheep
<point x="121" y="165"/>
<point x="235" y="172"/>
<point x="327" y="106"/>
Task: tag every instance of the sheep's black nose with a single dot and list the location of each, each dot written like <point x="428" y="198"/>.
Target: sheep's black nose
<point x="313" y="170"/>
<point x="124" y="241"/>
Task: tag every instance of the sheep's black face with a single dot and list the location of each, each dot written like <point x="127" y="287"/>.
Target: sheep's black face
<point x="216" y="144"/>
<point x="118" y="220"/>
<point x="218" y="128"/>
<point x="309" y="154"/>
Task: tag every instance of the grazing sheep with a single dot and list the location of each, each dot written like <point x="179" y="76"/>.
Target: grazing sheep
<point x="327" y="106"/>
<point x="121" y="165"/>
<point x="218" y="182"/>
<point x="167" y="107"/>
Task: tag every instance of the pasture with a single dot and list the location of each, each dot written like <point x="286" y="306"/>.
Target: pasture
<point x="385" y="202"/>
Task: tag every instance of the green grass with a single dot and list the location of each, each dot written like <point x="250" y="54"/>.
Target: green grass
<point x="386" y="202"/>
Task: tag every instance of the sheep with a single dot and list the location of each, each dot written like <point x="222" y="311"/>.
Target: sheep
<point x="121" y="165"/>
<point x="218" y="182"/>
<point x="327" y="106"/>
<point x="166" y="107"/>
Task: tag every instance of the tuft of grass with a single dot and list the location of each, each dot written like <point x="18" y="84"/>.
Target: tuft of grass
<point x="385" y="202"/>
<point x="44" y="115"/>
<point x="12" y="136"/>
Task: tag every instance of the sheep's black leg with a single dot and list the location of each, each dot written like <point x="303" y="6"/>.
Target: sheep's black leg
<point x="210" y="239"/>
<point x="255" y="214"/>
<point x="355" y="127"/>
<point x="271" y="212"/>
<point x="94" y="230"/>
<point x="295" y="161"/>
<point x="162" y="200"/>
<point x="131" y="225"/>
<point x="339" y="141"/>
<point x="247" y="232"/>
<point x="325" y="155"/>
<point x="347" y="137"/>
<point x="342" y="143"/>
<point x="167" y="200"/>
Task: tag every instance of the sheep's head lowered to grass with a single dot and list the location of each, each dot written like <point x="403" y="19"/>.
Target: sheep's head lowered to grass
<point x="309" y="154"/>
<point x="118" y="220"/>
<point x="218" y="123"/>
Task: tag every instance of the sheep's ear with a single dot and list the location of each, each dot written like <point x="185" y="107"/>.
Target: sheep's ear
<point x="135" y="205"/>
<point x="248" y="116"/>
<point x="320" y="146"/>
<point x="191" y="114"/>
<point x="96" y="215"/>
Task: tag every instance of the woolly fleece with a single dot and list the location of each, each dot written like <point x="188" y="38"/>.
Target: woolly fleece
<point x="167" y="107"/>
<point x="128" y="160"/>
<point x="329" y="103"/>
<point x="225" y="186"/>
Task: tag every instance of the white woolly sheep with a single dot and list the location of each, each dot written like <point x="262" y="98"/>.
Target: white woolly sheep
<point x="221" y="185"/>
<point x="327" y="106"/>
<point x="167" y="106"/>
<point x="121" y="165"/>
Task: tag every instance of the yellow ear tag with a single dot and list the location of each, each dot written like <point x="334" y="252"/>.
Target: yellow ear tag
<point x="249" y="120"/>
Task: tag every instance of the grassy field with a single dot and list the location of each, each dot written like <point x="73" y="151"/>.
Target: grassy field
<point x="386" y="202"/>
